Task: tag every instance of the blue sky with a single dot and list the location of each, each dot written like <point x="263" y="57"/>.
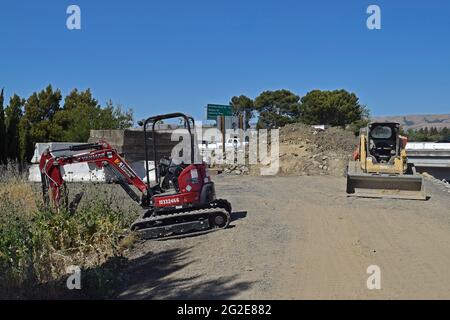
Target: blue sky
<point x="178" y="55"/>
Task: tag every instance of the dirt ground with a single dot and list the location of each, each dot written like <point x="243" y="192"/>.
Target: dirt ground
<point x="302" y="238"/>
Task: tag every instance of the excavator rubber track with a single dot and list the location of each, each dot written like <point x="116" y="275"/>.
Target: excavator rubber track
<point x="182" y="224"/>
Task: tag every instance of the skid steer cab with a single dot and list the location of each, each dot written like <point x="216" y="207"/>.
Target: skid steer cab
<point x="181" y="202"/>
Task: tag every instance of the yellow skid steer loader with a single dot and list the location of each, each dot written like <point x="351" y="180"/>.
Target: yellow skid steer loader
<point x="380" y="168"/>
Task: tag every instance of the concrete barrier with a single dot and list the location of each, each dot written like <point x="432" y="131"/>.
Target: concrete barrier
<point x="430" y="157"/>
<point x="89" y="173"/>
<point x="130" y="143"/>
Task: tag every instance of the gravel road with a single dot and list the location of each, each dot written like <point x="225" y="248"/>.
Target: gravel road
<point x="302" y="238"/>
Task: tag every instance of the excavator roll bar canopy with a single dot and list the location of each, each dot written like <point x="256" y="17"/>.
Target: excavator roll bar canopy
<point x="154" y="120"/>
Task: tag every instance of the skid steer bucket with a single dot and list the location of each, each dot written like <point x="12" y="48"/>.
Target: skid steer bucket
<point x="386" y="186"/>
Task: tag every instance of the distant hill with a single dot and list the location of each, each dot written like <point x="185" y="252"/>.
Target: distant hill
<point x="419" y="121"/>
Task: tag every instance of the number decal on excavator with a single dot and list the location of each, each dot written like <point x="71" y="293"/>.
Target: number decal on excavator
<point x="92" y="157"/>
<point x="169" y="201"/>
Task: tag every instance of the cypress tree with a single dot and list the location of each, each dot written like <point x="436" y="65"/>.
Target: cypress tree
<point x="3" y="156"/>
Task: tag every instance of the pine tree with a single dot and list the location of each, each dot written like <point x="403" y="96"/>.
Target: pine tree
<point x="36" y="124"/>
<point x="25" y="143"/>
<point x="13" y="115"/>
<point x="445" y="134"/>
<point x="2" y="131"/>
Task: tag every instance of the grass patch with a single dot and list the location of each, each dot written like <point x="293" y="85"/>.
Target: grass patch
<point x="37" y="244"/>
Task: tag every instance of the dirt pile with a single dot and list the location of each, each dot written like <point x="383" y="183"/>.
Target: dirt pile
<point x="305" y="150"/>
<point x="308" y="151"/>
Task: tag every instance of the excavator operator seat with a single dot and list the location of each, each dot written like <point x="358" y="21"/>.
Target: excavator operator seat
<point x="169" y="173"/>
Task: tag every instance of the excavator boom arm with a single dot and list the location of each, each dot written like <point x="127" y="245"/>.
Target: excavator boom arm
<point x="103" y="156"/>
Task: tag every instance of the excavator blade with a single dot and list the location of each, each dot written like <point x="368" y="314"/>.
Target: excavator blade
<point x="386" y="186"/>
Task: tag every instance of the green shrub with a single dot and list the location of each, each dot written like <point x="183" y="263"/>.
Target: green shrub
<point x="16" y="245"/>
<point x="37" y="244"/>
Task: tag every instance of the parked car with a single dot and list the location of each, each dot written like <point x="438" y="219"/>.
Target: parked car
<point x="206" y="145"/>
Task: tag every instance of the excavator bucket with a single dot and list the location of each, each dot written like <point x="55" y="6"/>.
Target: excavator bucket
<point x="392" y="186"/>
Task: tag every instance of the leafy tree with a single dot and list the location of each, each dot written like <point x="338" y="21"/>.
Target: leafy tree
<point x="277" y="108"/>
<point x="77" y="117"/>
<point x="335" y="108"/>
<point x="43" y="120"/>
<point x="113" y="117"/>
<point x="13" y="115"/>
<point x="445" y="134"/>
<point x="36" y="123"/>
<point x="243" y="105"/>
<point x="357" y="125"/>
<point x="2" y="131"/>
<point x="433" y="131"/>
<point x="43" y="105"/>
<point x="82" y="113"/>
<point x="40" y="108"/>
<point x="425" y="134"/>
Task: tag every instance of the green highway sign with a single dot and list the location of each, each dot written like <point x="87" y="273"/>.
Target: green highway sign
<point x="215" y="110"/>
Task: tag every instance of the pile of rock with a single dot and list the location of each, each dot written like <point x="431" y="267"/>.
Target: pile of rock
<point x="305" y="150"/>
<point x="332" y="139"/>
<point x="308" y="151"/>
<point x="237" y="169"/>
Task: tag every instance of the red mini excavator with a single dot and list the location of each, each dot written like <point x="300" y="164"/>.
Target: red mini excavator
<point x="182" y="201"/>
